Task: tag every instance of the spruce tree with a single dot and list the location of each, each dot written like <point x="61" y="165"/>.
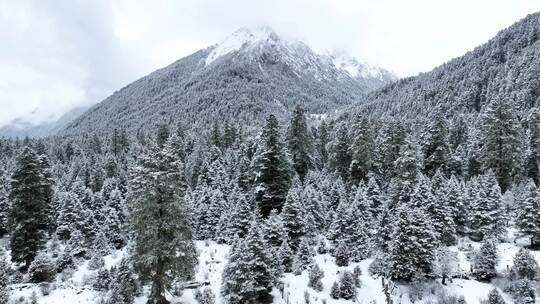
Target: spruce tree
<point x="486" y="260"/>
<point x="293" y="219"/>
<point x="315" y="276"/>
<point x="247" y="276"/>
<point x="494" y="297"/>
<point x="361" y="151"/>
<point x="412" y="247"/>
<point x="528" y="213"/>
<point x="4" y="278"/>
<point x="436" y="147"/>
<point x="274" y="229"/>
<point x="29" y="209"/>
<point x="300" y="143"/>
<point x="272" y="169"/>
<point x="341" y="254"/>
<point x="340" y="159"/>
<point x="525" y="266"/>
<point x="166" y="252"/>
<point x="501" y="149"/>
<point x="486" y="216"/>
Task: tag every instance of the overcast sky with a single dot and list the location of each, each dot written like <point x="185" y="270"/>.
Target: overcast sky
<point x="56" y="55"/>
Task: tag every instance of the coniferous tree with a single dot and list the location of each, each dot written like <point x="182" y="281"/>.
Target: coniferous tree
<point x="361" y="151"/>
<point x="501" y="149"/>
<point x="525" y="266"/>
<point x="486" y="260"/>
<point x="340" y="159"/>
<point x="241" y="217"/>
<point x="494" y="297"/>
<point x="315" y="276"/>
<point x="486" y="216"/>
<point x="273" y="174"/>
<point x="300" y="143"/>
<point x="293" y="219"/>
<point x="322" y="141"/>
<point x="166" y="252"/>
<point x="247" y="276"/>
<point x="28" y="210"/>
<point x="274" y="229"/>
<point x="528" y="213"/>
<point x="436" y="148"/>
<point x="4" y="278"/>
<point x="342" y="254"/>
<point x="304" y="256"/>
<point x="412" y="247"/>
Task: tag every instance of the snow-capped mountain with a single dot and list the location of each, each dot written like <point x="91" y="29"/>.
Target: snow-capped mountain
<point x="248" y="75"/>
<point x="361" y="70"/>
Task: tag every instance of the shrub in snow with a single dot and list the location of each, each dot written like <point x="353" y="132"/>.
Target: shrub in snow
<point x="315" y="275"/>
<point x="33" y="298"/>
<point x="523" y="291"/>
<point x="341" y="253"/>
<point x="96" y="261"/>
<point x="42" y="269"/>
<point x="206" y="296"/>
<point x="525" y="266"/>
<point x="379" y="265"/>
<point x="334" y="291"/>
<point x="347" y="287"/>
<point x="444" y="298"/>
<point x="494" y="297"/>
<point x="65" y="261"/>
<point x="45" y="288"/>
<point x="357" y="272"/>
<point x="485" y="261"/>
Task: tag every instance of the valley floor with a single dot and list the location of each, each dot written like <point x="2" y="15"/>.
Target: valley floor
<point x="213" y="257"/>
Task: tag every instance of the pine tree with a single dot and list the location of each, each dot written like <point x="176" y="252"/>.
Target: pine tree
<point x="412" y="247"/>
<point x="247" y="276"/>
<point x="388" y="145"/>
<point x="292" y="215"/>
<point x="274" y="229"/>
<point x="41" y="269"/>
<point x="501" y="149"/>
<point x="494" y="297"/>
<point x="315" y="276"/>
<point x="322" y="141"/>
<point x="340" y="159"/>
<point x="272" y="169"/>
<point x="347" y="285"/>
<point x="361" y="151"/>
<point x="4" y="278"/>
<point x="485" y="261"/>
<point x="407" y="165"/>
<point x="528" y="213"/>
<point x="486" y="218"/>
<point x="342" y="255"/>
<point x="303" y="259"/>
<point x="124" y="285"/>
<point x="436" y="148"/>
<point x="241" y="217"/>
<point x="166" y="252"/>
<point x="374" y="197"/>
<point x="525" y="266"/>
<point x="299" y="143"/>
<point x="28" y="210"/>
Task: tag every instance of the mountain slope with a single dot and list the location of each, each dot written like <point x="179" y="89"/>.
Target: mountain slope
<point x="252" y="73"/>
<point x="506" y="67"/>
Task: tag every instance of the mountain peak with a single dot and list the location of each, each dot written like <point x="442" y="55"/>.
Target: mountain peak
<point x="241" y="37"/>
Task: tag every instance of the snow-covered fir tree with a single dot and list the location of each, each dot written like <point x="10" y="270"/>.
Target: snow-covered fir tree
<point x="166" y="252"/>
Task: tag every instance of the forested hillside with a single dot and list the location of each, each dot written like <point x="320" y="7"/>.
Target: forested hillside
<point x="415" y="197"/>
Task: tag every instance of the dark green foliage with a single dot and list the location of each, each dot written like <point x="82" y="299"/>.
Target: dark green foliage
<point x="155" y="201"/>
<point x="299" y="143"/>
<point x="42" y="269"/>
<point x="485" y="261"/>
<point x="29" y="209"/>
<point x="273" y="170"/>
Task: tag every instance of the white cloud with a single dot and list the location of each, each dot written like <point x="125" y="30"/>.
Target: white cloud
<point x="60" y="54"/>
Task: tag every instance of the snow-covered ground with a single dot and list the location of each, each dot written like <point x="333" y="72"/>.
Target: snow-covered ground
<point x="213" y="257"/>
